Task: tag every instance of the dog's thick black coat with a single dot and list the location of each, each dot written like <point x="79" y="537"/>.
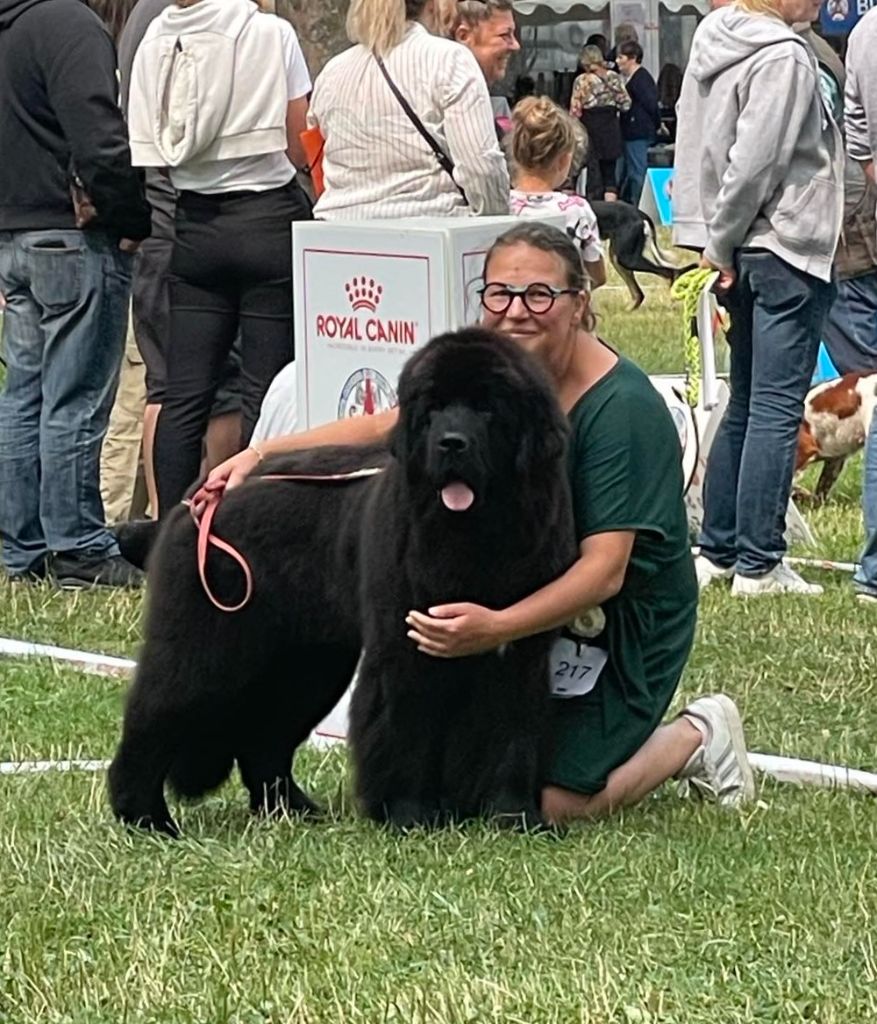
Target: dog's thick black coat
<point x="337" y="567"/>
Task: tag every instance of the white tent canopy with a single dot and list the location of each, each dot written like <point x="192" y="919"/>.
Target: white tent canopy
<point x="580" y="8"/>
<point x="645" y="15"/>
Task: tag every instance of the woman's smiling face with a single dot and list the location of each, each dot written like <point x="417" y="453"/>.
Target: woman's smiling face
<point x="521" y="266"/>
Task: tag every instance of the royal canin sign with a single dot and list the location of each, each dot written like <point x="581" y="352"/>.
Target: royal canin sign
<point x="364" y="295"/>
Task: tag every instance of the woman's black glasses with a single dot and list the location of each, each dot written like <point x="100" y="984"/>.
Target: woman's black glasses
<point x="538" y="298"/>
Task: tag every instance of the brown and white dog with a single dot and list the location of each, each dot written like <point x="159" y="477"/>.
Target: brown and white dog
<point x="837" y="418"/>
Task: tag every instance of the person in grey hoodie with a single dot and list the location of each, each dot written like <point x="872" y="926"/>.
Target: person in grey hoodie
<point x="759" y="191"/>
<point x="860" y="118"/>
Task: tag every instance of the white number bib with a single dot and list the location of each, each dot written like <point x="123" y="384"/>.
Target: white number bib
<point x="575" y="667"/>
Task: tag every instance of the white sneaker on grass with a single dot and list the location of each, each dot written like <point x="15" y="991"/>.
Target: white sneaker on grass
<point x="708" y="572"/>
<point x="719" y="769"/>
<point x="866" y="597"/>
<point x="780" y="580"/>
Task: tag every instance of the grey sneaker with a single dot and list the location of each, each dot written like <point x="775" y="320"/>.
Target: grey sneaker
<point x="719" y="770"/>
<point x="708" y="572"/>
<point x="780" y="580"/>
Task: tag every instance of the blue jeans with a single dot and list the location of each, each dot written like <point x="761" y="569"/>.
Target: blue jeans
<point x="777" y="314"/>
<point x="636" y="162"/>
<point x="850" y="332"/>
<point x="63" y="332"/>
<point x="866" y="577"/>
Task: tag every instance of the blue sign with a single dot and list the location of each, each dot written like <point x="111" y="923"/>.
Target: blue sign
<point x="659" y="187"/>
<point x="838" y="17"/>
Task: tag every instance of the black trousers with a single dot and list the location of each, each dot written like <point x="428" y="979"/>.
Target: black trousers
<point x="231" y="270"/>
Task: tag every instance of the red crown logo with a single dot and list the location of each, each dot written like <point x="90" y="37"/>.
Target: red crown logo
<point x="363" y="293"/>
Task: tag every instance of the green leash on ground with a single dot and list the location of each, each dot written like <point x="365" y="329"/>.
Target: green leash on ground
<point x="688" y="289"/>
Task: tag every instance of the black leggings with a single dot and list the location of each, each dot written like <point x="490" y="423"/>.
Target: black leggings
<point x="231" y="270"/>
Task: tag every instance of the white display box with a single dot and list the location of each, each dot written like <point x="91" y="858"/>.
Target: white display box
<point x="368" y="293"/>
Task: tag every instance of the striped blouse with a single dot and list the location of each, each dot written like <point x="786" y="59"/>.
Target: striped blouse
<point x="376" y="165"/>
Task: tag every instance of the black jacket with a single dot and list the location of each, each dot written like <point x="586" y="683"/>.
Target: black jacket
<point x="59" y="116"/>
<point x="643" y="119"/>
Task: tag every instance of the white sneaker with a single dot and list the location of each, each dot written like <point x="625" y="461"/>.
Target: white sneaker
<point x="719" y="770"/>
<point x="866" y="597"/>
<point x="780" y="580"/>
<point x="708" y="572"/>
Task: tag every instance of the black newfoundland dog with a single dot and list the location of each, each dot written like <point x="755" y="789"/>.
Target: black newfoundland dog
<point x="472" y="504"/>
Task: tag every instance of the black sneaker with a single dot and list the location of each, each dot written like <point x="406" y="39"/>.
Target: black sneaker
<point x="71" y="573"/>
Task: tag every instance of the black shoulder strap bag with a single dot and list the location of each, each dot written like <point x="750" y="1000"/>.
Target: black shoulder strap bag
<point x="445" y="162"/>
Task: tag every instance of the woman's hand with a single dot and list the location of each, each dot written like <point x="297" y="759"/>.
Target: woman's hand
<point x="457" y="630"/>
<point x="727" y="275"/>
<point x="224" y="477"/>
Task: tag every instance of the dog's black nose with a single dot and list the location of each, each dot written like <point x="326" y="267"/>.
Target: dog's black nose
<point x="453" y="442"/>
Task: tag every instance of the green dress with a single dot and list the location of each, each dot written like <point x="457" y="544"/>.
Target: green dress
<point x="626" y="474"/>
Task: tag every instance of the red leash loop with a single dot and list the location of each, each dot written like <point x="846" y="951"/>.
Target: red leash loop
<point x="207" y="539"/>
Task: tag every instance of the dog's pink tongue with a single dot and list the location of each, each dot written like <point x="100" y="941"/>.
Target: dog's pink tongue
<point x="457" y="497"/>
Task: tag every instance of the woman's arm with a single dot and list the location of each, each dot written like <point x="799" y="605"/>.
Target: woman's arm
<point x="355" y="430"/>
<point x="618" y="90"/>
<point x="480" y="167"/>
<point x="296" y="123"/>
<point x="577" y="101"/>
<point x="778" y="102"/>
<point x="456" y="630"/>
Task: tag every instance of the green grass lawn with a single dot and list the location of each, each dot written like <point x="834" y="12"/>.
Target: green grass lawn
<point x="674" y="913"/>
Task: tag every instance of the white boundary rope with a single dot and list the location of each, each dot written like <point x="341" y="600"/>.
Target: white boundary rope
<point x="99" y="664"/>
<point x="824" y="563"/>
<point x="41" y="767"/>
<point x="783" y="769"/>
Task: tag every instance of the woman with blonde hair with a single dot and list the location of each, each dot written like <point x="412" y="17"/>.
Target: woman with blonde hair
<point x="598" y="98"/>
<point x="543" y="143"/>
<point x="759" y="191"/>
<point x="407" y="119"/>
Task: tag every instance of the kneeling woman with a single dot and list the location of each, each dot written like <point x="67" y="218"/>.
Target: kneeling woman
<point x="635" y="574"/>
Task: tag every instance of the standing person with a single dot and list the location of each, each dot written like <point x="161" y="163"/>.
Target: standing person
<point x="377" y="162"/>
<point x="860" y="118"/>
<point x="639" y="124"/>
<point x="624" y="33"/>
<point x="759" y="189"/>
<point x="544" y="141"/>
<point x="634" y="575"/>
<point x="150" y="297"/>
<point x="232" y="164"/>
<point x="598" y="99"/>
<point x="65" y="270"/>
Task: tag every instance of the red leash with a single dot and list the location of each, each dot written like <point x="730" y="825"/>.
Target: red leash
<point x="207" y="539"/>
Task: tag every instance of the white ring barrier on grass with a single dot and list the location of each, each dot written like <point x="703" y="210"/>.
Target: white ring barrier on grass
<point x="40" y="767"/>
<point x="101" y="664"/>
<point x="812" y="773"/>
<point x="333" y="730"/>
<point x="824" y="563"/>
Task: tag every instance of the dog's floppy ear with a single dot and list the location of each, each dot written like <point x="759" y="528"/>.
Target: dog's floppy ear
<point x="545" y="434"/>
<point x="410" y="388"/>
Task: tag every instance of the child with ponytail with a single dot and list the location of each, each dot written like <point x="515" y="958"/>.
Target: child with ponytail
<point x="543" y="143"/>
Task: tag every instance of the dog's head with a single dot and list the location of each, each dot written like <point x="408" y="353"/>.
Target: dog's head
<point x="478" y="420"/>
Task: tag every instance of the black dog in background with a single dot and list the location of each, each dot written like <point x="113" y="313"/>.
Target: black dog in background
<point x="633" y="246"/>
<point x="472" y="505"/>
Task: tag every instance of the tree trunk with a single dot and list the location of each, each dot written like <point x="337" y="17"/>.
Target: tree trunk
<point x="320" y="28"/>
